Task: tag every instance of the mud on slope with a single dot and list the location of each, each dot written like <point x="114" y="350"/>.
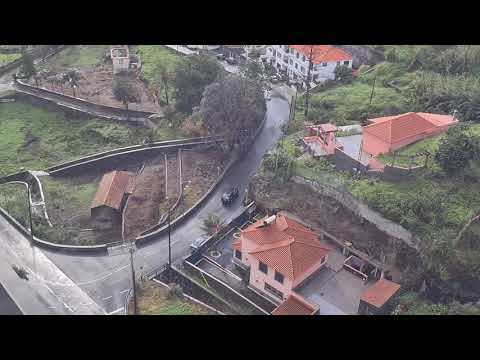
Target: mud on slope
<point x="325" y="212"/>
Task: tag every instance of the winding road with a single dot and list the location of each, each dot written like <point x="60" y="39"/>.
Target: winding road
<point x="107" y="279"/>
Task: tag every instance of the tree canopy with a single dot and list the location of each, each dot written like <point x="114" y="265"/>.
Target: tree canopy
<point x="457" y="149"/>
<point x="192" y="76"/>
<point x="124" y="90"/>
<point x="232" y="103"/>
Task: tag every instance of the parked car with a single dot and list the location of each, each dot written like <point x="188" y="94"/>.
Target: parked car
<point x="221" y="56"/>
<point x="229" y="196"/>
<point x="198" y="242"/>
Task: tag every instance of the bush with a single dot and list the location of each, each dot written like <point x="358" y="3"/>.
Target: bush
<point x="391" y="56"/>
<point x="175" y="291"/>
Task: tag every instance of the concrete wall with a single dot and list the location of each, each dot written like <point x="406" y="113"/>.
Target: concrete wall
<point x="114" y="111"/>
<point x="345" y="162"/>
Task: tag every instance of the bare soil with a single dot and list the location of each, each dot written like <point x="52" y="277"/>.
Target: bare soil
<point x="96" y="85"/>
<point x="325" y="212"/>
<point x="200" y="171"/>
<point x="143" y="205"/>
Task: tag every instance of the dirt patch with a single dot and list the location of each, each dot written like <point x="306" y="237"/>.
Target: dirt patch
<point x="96" y="85"/>
<point x="200" y="171"/>
<point x="143" y="206"/>
<point x="326" y="213"/>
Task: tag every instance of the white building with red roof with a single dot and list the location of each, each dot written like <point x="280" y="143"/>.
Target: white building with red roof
<point x="280" y="254"/>
<point x="294" y="60"/>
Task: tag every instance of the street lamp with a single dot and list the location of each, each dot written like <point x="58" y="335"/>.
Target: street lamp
<point x="134" y="286"/>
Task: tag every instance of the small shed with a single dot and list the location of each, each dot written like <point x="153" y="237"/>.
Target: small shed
<point x="109" y="200"/>
<point x="374" y="300"/>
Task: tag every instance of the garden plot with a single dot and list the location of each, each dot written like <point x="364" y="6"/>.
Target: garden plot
<point x="96" y="77"/>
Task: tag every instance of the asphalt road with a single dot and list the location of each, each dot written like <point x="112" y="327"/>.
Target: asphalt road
<point x="106" y="279"/>
<point x="7" y="305"/>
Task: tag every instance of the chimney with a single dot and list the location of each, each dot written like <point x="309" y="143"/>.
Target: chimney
<point x="269" y="220"/>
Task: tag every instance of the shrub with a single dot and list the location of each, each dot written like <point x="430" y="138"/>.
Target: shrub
<point x="174" y="291"/>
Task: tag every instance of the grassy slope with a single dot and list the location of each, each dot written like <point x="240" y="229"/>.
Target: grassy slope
<point x="7" y="58"/>
<point x="13" y="199"/>
<point x="152" y="56"/>
<point x="35" y="138"/>
<point x="77" y="56"/>
<point x="153" y="300"/>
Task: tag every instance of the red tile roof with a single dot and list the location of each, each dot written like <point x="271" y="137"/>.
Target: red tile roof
<point x="111" y="190"/>
<point x="393" y="129"/>
<point x="380" y="292"/>
<point x="295" y="305"/>
<point x="323" y="53"/>
<point x="286" y="246"/>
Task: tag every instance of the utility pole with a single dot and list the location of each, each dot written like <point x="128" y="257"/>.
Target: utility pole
<point x="134" y="285"/>
<point x="30" y="212"/>
<point x="169" y="243"/>
<point x="307" y="93"/>
<point x="373" y="89"/>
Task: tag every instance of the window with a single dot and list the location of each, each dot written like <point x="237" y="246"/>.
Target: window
<point x="296" y="66"/>
<point x="298" y="55"/>
<point x="238" y="254"/>
<point x="273" y="291"/>
<point x="324" y="64"/>
<point x="346" y="62"/>
<point x="291" y="61"/>
<point x="274" y="53"/>
<point x="279" y="277"/>
<point x="303" y="69"/>
<point x="303" y="58"/>
<point x="263" y="267"/>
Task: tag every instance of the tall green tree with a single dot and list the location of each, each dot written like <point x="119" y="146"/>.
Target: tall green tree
<point x="161" y="82"/>
<point x="192" y="76"/>
<point x="124" y="90"/>
<point x="457" y="149"/>
<point x="28" y="67"/>
<point x="230" y="104"/>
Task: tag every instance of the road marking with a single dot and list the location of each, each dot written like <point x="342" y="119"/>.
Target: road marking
<point x="124" y="291"/>
<point x="108" y="297"/>
<point x="58" y="298"/>
<point x="116" y="311"/>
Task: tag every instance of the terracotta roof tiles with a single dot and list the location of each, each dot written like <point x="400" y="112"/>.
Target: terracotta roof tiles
<point x="323" y="53"/>
<point x="286" y="246"/>
<point x="295" y="305"/>
<point x="111" y="190"/>
<point x="380" y="292"/>
<point x="393" y="129"/>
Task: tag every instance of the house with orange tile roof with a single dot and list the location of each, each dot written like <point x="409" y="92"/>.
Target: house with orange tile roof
<point x="375" y="298"/>
<point x="294" y="60"/>
<point x="390" y="133"/>
<point x="321" y="140"/>
<point x="296" y="305"/>
<point x="280" y="255"/>
<point x="107" y="205"/>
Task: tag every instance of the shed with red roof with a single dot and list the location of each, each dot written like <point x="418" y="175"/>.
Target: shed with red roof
<point x="109" y="200"/>
<point x="374" y="300"/>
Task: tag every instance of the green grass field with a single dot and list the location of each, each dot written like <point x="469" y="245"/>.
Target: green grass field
<point x="76" y="56"/>
<point x="8" y="58"/>
<point x="35" y="138"/>
<point x="153" y="300"/>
